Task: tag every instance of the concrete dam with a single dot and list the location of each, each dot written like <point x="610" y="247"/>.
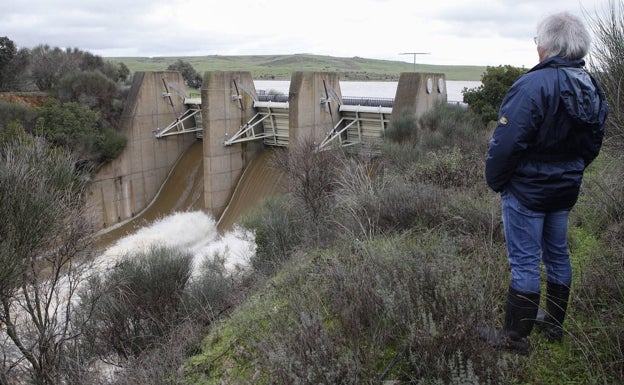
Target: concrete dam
<point x="210" y="153"/>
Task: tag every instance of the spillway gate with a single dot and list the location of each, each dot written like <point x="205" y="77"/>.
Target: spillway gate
<point x="360" y="120"/>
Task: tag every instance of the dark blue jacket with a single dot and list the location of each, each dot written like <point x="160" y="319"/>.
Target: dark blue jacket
<point x="550" y="128"/>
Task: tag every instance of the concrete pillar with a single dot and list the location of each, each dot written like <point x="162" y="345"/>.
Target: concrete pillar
<point x="124" y="187"/>
<point x="227" y="104"/>
<point x="418" y="92"/>
<point x="309" y="118"/>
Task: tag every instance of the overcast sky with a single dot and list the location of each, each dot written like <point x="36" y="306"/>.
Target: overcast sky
<point x="472" y="32"/>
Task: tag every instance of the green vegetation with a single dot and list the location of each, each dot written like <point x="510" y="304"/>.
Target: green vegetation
<point x="280" y="67"/>
<point x="84" y="97"/>
<point x="487" y="98"/>
<point x="76" y="128"/>
<point x="192" y="79"/>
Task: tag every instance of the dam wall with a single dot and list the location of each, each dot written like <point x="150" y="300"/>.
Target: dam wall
<point x="124" y="187"/>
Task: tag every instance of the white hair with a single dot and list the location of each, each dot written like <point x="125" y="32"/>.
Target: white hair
<point x="563" y="34"/>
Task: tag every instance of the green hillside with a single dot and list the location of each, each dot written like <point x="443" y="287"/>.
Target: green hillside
<point x="280" y="67"/>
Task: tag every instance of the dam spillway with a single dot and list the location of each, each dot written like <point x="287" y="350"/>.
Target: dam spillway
<point x="228" y="105"/>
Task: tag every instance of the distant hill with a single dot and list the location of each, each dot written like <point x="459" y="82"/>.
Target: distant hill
<point x="280" y="67"/>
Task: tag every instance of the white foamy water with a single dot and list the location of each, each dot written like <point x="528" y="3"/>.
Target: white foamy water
<point x="192" y="231"/>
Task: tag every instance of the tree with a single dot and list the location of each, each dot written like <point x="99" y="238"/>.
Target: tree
<point x="486" y="99"/>
<point x="70" y="126"/>
<point x="13" y="65"/>
<point x="191" y="77"/>
<point x="7" y="51"/>
<point x="119" y="72"/>
<point x="78" y="128"/>
<point x="50" y="65"/>
<point x="43" y="237"/>
<point x="90" y="89"/>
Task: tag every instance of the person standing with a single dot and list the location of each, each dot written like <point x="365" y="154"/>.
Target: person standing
<point x="550" y="128"/>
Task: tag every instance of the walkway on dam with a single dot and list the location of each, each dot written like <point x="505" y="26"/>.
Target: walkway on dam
<point x="361" y="119"/>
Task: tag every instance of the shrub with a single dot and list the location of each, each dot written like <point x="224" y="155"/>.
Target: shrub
<point x="486" y="99"/>
<point x="373" y="199"/>
<point x="91" y="89"/>
<point x="78" y="129"/>
<point x="15" y="113"/>
<point x="311" y="184"/>
<point x="403" y="128"/>
<point x="211" y="292"/>
<point x="446" y="126"/>
<point x="109" y="144"/>
<point x="137" y="303"/>
<point x="277" y="227"/>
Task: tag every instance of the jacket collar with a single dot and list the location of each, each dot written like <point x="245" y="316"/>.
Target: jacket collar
<point x="558" y="61"/>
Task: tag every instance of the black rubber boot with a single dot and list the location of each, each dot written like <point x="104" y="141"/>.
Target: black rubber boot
<point x="520" y="313"/>
<point x="551" y="321"/>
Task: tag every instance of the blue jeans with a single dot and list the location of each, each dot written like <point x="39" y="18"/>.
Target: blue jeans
<point x="531" y="237"/>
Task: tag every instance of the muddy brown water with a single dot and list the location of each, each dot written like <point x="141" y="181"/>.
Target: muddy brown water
<point x="184" y="191"/>
<point x="259" y="181"/>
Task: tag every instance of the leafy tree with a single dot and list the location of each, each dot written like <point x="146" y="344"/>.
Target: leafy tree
<point x="119" y="72"/>
<point x="70" y="125"/>
<point x="191" y="77"/>
<point x="13" y="66"/>
<point x="90" y="89"/>
<point x="78" y="129"/>
<point x="50" y="64"/>
<point x="43" y="233"/>
<point x="7" y="50"/>
<point x="486" y="99"/>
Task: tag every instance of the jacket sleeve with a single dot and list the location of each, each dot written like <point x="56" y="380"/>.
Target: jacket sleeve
<point x="517" y="124"/>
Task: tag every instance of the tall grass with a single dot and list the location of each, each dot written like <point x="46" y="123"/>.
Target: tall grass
<point x="608" y="63"/>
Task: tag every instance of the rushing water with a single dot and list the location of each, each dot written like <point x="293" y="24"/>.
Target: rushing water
<point x="192" y="231"/>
